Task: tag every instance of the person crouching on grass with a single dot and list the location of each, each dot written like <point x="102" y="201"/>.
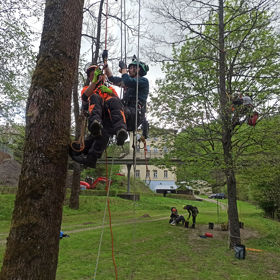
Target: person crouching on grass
<point x="175" y="218"/>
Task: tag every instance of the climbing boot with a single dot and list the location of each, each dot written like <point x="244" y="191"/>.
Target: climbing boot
<point x="90" y="161"/>
<point x="121" y="136"/>
<point x="74" y="153"/>
<point x="95" y="128"/>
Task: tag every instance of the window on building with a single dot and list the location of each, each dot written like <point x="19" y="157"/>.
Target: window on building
<point x="155" y="150"/>
<point x="165" y="150"/>
<point x="148" y="148"/>
<point x="165" y="174"/>
<point x="137" y="173"/>
<point x="148" y="174"/>
<point x="155" y="173"/>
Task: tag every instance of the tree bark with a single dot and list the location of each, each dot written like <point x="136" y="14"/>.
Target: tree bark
<point x="33" y="242"/>
<point x="234" y="231"/>
<point x="98" y="35"/>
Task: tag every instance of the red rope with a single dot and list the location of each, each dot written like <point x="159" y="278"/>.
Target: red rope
<point x="106" y="25"/>
<point x="110" y="218"/>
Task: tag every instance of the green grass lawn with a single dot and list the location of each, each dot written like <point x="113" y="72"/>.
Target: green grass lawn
<point x="149" y="248"/>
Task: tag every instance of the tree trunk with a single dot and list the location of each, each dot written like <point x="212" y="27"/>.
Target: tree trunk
<point x="97" y="48"/>
<point x="75" y="189"/>
<point x="234" y="231"/>
<point x="33" y="242"/>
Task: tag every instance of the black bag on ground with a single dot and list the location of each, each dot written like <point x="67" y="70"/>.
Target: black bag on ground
<point x="240" y="251"/>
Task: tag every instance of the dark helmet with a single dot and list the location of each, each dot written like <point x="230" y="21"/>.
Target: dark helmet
<point x="90" y="68"/>
<point x="144" y="68"/>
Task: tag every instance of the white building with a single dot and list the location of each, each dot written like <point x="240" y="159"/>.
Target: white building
<point x="153" y="176"/>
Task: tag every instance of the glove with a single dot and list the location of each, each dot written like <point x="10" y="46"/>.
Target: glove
<point x="105" y="89"/>
<point x="97" y="73"/>
<point x="122" y="65"/>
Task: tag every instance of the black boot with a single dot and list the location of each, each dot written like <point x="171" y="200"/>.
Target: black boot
<point x="95" y="128"/>
<point x="90" y="161"/>
<point x="121" y="136"/>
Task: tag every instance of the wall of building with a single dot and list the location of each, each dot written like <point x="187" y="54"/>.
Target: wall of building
<point x="154" y="176"/>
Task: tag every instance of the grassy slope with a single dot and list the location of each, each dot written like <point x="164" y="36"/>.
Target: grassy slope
<point x="156" y="250"/>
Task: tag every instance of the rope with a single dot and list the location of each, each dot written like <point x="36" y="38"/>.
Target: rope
<point x="134" y="135"/>
<point x="106" y="25"/>
<point x="124" y="12"/>
<point x="108" y="184"/>
<point x="121" y="29"/>
<point x="143" y="140"/>
<point x="107" y="204"/>
<point x="81" y="140"/>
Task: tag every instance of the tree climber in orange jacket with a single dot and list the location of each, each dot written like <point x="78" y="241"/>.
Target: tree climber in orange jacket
<point x="103" y="100"/>
<point x="105" y="118"/>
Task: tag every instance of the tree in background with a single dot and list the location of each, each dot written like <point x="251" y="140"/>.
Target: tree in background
<point x="231" y="47"/>
<point x="17" y="54"/>
<point x="12" y="137"/>
<point x="259" y="168"/>
<point x="33" y="242"/>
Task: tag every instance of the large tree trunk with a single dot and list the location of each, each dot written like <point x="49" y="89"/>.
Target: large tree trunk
<point x="234" y="231"/>
<point x="33" y="242"/>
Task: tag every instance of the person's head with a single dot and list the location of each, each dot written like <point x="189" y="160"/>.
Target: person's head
<point x="174" y="210"/>
<point x="133" y="69"/>
<point x="90" y="71"/>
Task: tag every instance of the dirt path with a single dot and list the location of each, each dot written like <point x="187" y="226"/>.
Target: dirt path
<point x="139" y="220"/>
<point x="134" y="221"/>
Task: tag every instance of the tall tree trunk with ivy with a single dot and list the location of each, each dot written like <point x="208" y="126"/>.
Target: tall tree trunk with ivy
<point x="33" y="242"/>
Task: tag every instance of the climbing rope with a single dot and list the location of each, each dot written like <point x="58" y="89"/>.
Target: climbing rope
<point x="143" y="140"/>
<point x="81" y="140"/>
<point x="134" y="137"/>
<point x="106" y="25"/>
<point x="108" y="181"/>
<point x="107" y="205"/>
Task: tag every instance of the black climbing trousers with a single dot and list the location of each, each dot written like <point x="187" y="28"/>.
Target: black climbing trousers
<point x="109" y="113"/>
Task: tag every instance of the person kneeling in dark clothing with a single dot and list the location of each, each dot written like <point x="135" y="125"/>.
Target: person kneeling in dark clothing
<point x="193" y="211"/>
<point x="175" y="218"/>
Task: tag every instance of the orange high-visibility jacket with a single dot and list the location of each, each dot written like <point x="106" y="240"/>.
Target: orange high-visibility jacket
<point x="105" y="96"/>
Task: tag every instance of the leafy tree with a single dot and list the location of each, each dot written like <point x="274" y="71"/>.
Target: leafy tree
<point x="17" y="54"/>
<point x="233" y="49"/>
<point x="12" y="136"/>
<point x="259" y="166"/>
<point x="36" y="220"/>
